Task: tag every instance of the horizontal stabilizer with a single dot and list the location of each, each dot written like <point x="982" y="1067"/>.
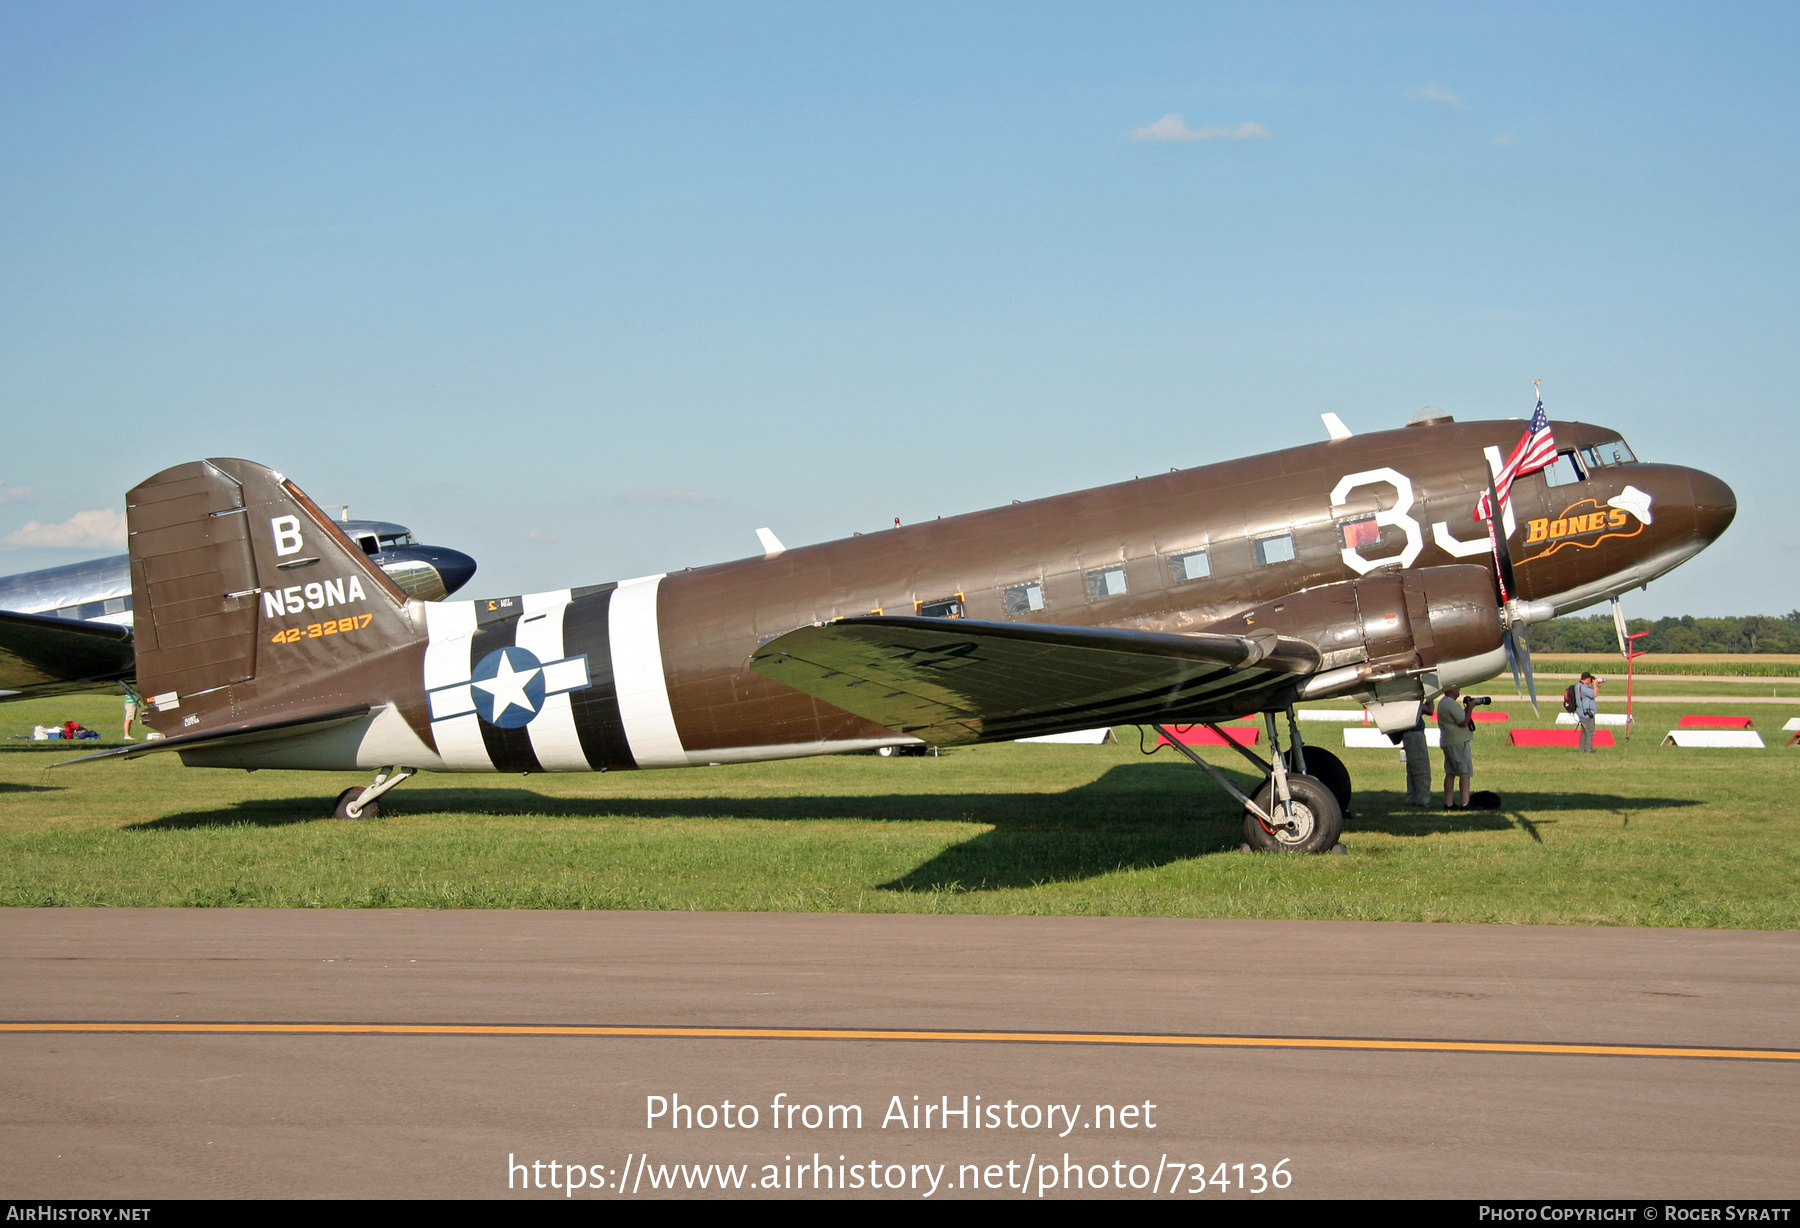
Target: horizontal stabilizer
<point x="250" y="731"/>
<point x="41" y="654"/>
<point x="948" y="681"/>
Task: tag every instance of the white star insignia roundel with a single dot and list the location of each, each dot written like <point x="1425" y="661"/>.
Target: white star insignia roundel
<point x="508" y="687"/>
<point x="512" y="684"/>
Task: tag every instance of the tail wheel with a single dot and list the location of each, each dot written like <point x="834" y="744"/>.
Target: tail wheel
<point x="1329" y="771"/>
<point x="342" y="811"/>
<point x="1311" y="823"/>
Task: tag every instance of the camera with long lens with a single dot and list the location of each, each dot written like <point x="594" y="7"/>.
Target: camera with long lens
<point x="1476" y="701"/>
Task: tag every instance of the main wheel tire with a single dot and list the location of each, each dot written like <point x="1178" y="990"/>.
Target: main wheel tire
<point x="1316" y="822"/>
<point x="1328" y="770"/>
<point x="342" y="811"/>
<point x="888" y="752"/>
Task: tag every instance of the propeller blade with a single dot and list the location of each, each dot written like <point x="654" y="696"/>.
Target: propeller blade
<point x="1518" y="635"/>
<point x="1502" y="552"/>
<point x="1512" y="659"/>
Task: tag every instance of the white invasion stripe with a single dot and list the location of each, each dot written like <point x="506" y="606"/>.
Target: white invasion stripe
<point x="638" y="674"/>
<point x="450" y="625"/>
<point x="460" y="746"/>
<point x="552" y="730"/>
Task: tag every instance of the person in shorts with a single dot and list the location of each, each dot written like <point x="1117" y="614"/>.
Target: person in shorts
<point x="131" y="710"/>
<point x="1456" y="739"/>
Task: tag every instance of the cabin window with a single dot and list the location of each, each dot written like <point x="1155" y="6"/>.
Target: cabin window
<point x="1563" y="471"/>
<point x="1275" y="549"/>
<point x="944" y="607"/>
<point x="1194" y="565"/>
<point x="117" y="605"/>
<point x="1106" y="582"/>
<point x="1027" y="598"/>
<point x="68" y="611"/>
<point x="1612" y="453"/>
<point x="1360" y="533"/>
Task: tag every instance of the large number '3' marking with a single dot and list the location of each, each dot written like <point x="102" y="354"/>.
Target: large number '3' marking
<point x="1399" y="515"/>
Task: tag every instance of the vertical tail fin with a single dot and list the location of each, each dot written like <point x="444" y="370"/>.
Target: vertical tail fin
<point x="249" y="601"/>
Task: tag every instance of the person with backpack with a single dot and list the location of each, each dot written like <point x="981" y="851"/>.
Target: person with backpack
<point x="1586" y="697"/>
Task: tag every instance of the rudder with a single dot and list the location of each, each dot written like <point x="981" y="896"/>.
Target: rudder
<point x="249" y="599"/>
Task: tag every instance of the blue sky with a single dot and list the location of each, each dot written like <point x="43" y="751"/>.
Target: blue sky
<point x="593" y="292"/>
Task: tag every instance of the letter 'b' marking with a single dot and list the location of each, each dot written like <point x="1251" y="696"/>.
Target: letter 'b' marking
<point x="287" y="534"/>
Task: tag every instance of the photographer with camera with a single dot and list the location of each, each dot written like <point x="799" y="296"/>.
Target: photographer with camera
<point x="1456" y="737"/>
<point x="1587" y="708"/>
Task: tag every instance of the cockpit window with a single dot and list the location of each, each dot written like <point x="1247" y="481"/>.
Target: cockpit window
<point x="404" y="539"/>
<point x="1614" y="452"/>
<point x="1564" y="471"/>
<point x="368" y="544"/>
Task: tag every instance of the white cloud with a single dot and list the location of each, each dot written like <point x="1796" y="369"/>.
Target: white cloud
<point x="14" y="494"/>
<point x="674" y="495"/>
<point x="1172" y="127"/>
<point x="82" y="531"/>
<point x="1440" y="95"/>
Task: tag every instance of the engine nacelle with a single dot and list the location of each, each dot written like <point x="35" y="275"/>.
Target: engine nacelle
<point x="1378" y="635"/>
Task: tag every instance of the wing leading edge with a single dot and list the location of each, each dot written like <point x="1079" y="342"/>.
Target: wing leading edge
<point x="954" y="681"/>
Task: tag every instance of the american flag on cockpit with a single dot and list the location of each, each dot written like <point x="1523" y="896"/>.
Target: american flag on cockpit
<point x="1536" y="449"/>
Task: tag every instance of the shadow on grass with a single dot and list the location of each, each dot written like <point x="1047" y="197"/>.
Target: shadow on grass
<point x="1383" y="812"/>
<point x="1135" y="816"/>
<point x="7" y="787"/>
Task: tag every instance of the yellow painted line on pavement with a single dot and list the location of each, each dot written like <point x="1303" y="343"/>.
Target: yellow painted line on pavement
<point x="1142" y="1039"/>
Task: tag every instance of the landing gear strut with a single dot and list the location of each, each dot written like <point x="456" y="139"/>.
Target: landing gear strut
<point x="1293" y="812"/>
<point x="361" y="803"/>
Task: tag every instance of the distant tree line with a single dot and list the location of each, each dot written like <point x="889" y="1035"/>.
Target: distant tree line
<point x="1594" y="634"/>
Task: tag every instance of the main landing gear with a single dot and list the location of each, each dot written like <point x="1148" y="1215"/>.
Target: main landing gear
<point x="1295" y="810"/>
<point x="361" y="803"/>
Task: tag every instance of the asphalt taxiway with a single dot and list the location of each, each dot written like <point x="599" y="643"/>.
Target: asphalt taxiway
<point x="1196" y="1018"/>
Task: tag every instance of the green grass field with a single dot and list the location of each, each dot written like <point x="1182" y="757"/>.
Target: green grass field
<point x="1746" y="665"/>
<point x="1642" y="835"/>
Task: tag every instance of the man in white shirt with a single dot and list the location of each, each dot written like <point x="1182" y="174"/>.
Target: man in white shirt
<point x="1456" y="736"/>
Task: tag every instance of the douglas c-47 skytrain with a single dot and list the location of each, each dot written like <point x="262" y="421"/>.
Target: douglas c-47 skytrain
<point x="1354" y="567"/>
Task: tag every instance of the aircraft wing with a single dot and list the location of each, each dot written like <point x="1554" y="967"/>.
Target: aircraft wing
<point x="41" y="654"/>
<point x="950" y="681"/>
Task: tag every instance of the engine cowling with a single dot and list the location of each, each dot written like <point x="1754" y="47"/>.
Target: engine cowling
<point x="1378" y="634"/>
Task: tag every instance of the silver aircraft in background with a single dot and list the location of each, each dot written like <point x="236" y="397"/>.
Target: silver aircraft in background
<point x="69" y="628"/>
